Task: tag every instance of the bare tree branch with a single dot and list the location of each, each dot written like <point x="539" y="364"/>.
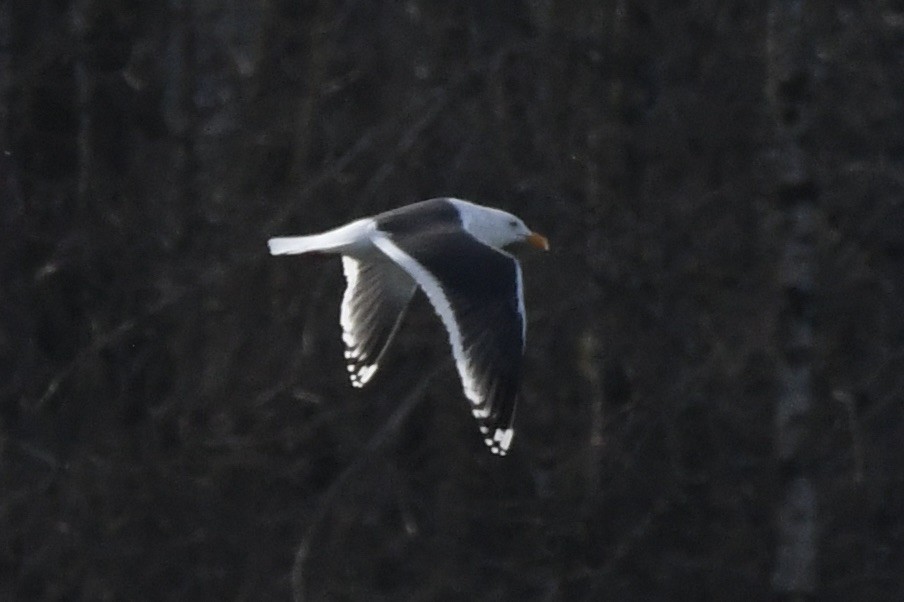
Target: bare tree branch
<point x="788" y="79"/>
<point x="367" y="455"/>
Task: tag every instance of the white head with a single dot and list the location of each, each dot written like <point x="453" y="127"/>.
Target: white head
<point x="495" y="227"/>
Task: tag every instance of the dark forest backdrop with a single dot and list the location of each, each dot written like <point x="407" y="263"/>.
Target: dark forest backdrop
<point x="715" y="367"/>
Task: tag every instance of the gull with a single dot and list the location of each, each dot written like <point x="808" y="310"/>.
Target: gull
<point x="453" y="251"/>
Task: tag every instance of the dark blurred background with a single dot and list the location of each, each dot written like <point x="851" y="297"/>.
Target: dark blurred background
<point x="712" y="406"/>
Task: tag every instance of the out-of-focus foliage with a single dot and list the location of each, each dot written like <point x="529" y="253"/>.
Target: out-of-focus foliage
<point x="174" y="415"/>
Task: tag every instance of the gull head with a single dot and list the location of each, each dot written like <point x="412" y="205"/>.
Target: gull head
<point x="497" y="228"/>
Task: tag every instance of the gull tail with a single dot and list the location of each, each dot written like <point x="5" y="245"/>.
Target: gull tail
<point x="340" y="240"/>
<point x="293" y="245"/>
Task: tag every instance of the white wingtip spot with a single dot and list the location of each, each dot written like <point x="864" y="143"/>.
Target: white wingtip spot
<point x="504" y="438"/>
<point x="360" y="375"/>
<point x="368" y="372"/>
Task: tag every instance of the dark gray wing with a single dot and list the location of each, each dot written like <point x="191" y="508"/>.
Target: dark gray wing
<point x="477" y="292"/>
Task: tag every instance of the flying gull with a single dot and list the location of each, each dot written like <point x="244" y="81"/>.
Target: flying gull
<point x="452" y="250"/>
